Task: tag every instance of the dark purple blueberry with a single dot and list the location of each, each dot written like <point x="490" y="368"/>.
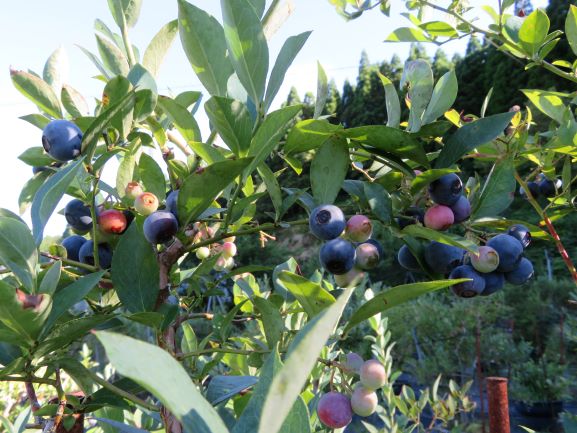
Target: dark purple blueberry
<point x="461" y="209"/>
<point x="337" y="256"/>
<point x="522" y="274"/>
<point x="467" y="289"/>
<point x="510" y="251"/>
<point x="446" y="190"/>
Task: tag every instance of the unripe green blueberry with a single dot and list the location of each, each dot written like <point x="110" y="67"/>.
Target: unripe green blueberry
<point x="133" y="190"/>
<point x="364" y="401"/>
<point x="359" y="228"/>
<point x="228" y="249"/>
<point x="146" y="203"/>
<point x="486" y="261"/>
<point x="350" y="279"/>
<point x="373" y="374"/>
<point x="203" y="253"/>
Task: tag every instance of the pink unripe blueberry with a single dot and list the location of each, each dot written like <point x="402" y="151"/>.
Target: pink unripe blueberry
<point x="367" y="256"/>
<point x="203" y="253"/>
<point x="439" y="217"/>
<point x="359" y="228"/>
<point x="133" y="190"/>
<point x="146" y="203"/>
<point x="223" y="264"/>
<point x="364" y="401"/>
<point x="486" y="261"/>
<point x="334" y="410"/>
<point x="112" y="221"/>
<point x="353" y="363"/>
<point x="228" y="249"/>
<point x="373" y="374"/>
<point x="350" y="279"/>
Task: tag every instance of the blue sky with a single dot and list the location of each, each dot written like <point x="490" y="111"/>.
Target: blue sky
<point x="31" y="31"/>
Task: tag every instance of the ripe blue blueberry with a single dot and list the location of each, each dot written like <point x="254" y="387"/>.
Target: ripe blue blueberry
<point x="461" y="209"/>
<point x="494" y="281"/>
<point x="550" y="188"/>
<point x="171" y="202"/>
<point x="86" y="254"/>
<point x="510" y="251"/>
<point x="411" y="216"/>
<point x="77" y="214"/>
<point x="407" y="260"/>
<point x="522" y="274"/>
<point x="337" y="256"/>
<point x="72" y="244"/>
<point x="61" y="140"/>
<point x="467" y="289"/>
<point x="446" y="190"/>
<point x="521" y="233"/>
<point x="160" y="227"/>
<point x="443" y="258"/>
<point x="533" y="189"/>
<point x="327" y="222"/>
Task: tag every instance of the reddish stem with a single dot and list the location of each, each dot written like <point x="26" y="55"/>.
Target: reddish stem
<point x="560" y="247"/>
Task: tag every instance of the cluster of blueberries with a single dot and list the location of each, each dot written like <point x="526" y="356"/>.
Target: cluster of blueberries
<point x="543" y="187"/>
<point x="349" y="249"/>
<point x="451" y="206"/>
<point x="335" y="409"/>
<point x="500" y="260"/>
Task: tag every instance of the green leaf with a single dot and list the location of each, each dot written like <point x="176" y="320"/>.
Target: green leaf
<point x="472" y="135"/>
<point x="286" y="56"/>
<point x="272" y="187"/>
<point x="115" y="91"/>
<point x="51" y="279"/>
<point x="125" y="12"/>
<point x="303" y="353"/>
<point x="48" y="196"/>
<point x="158" y="47"/>
<point x="498" y="192"/>
<point x="181" y="117"/>
<point x="101" y="123"/>
<point x="392" y="102"/>
<point x="247" y="46"/>
<point x="312" y="296"/>
<point x="151" y="176"/>
<point x="395" y="296"/>
<point x="379" y="201"/>
<point x="269" y="133"/>
<point x="96" y="61"/>
<point x="55" y="68"/>
<point x="199" y="190"/>
<point x="232" y="121"/>
<point x="160" y="374"/>
<point x="444" y="96"/>
<point x="112" y="58"/>
<point x="30" y="189"/>
<point x="18" y="251"/>
<point x="297" y="421"/>
<point x="418" y="76"/>
<point x="439" y="29"/>
<point x="419" y="231"/>
<point x="203" y="41"/>
<point x="329" y="169"/>
<point x="390" y="140"/>
<point x="38" y="91"/>
<point x="38" y="120"/>
<point x="407" y="34"/>
<point x="222" y="388"/>
<point x="549" y="103"/>
<point x="26" y="322"/>
<point x="272" y="321"/>
<point x="36" y="157"/>
<point x="322" y="91"/>
<point x="309" y="134"/>
<point x="426" y="177"/>
<point x="135" y="271"/>
<point x="73" y="101"/>
<point x="571" y="28"/>
<point x="533" y="32"/>
<point x="70" y="295"/>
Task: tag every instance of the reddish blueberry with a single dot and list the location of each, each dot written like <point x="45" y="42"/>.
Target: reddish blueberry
<point x="364" y="401"/>
<point x="334" y="410"/>
<point x="373" y="374"/>
<point x="359" y="228"/>
<point x="439" y="217"/>
<point x="112" y="221"/>
<point x="368" y="256"/>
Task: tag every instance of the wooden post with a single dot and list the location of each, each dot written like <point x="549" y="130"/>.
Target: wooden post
<point x="498" y="405"/>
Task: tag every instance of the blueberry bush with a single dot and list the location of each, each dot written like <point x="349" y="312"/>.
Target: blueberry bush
<point x="141" y="319"/>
